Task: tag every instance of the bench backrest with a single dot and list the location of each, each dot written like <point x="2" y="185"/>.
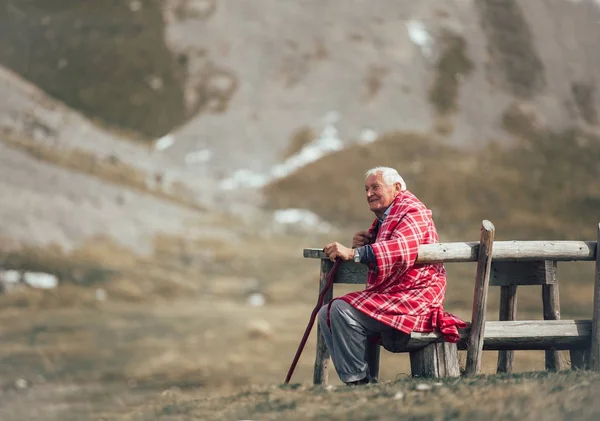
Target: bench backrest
<point x="513" y="262"/>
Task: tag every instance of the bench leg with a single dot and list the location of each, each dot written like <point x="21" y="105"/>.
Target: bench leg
<point x="579" y="359"/>
<point x="320" y="374"/>
<point x="551" y="303"/>
<point x="372" y="357"/>
<point x="508" y="311"/>
<point x="435" y="360"/>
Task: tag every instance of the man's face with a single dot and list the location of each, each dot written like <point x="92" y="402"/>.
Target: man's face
<point x="380" y="195"/>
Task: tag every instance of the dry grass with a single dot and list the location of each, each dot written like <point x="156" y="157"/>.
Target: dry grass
<point x="545" y="187"/>
<point x="98" y="263"/>
<point x="146" y="355"/>
<point x="531" y="396"/>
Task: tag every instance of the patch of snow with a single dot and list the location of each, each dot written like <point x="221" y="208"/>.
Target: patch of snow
<point x="328" y="141"/>
<point x="101" y="294"/>
<point x="10" y="276"/>
<point x="418" y="34"/>
<point x="367" y="136"/>
<point x="21" y="384"/>
<point x="244" y="178"/>
<point x="40" y="280"/>
<point x="164" y="142"/>
<point x="302" y="217"/>
<point x="200" y="156"/>
<point x="256" y="299"/>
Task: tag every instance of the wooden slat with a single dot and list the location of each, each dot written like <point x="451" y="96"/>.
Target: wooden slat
<point x="482" y="281"/>
<point x="503" y="250"/>
<point x="520" y="273"/>
<point x="551" y="308"/>
<point x="595" y="345"/>
<point x="508" y="311"/>
<point x="348" y="272"/>
<point x="519" y="335"/>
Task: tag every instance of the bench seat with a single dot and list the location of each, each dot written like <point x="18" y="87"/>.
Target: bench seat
<point x="518" y="335"/>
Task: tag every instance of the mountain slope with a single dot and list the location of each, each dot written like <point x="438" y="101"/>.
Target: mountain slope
<point x="234" y="80"/>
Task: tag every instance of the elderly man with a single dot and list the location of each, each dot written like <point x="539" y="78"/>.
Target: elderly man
<point x="400" y="296"/>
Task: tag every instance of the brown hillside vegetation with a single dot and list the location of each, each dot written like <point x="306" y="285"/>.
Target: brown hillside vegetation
<point x="69" y="49"/>
<point x="543" y="187"/>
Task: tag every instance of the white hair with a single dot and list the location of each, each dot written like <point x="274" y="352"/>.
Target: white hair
<point x="390" y="176"/>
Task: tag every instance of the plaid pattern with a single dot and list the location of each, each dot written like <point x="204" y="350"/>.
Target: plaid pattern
<point x="399" y="293"/>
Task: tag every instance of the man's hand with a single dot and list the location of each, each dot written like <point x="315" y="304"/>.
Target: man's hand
<point x="361" y="238"/>
<point x="335" y="250"/>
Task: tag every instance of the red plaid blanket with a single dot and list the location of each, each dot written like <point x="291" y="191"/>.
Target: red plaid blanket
<point x="399" y="293"/>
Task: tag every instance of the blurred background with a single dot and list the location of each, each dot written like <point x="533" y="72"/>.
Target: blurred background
<point x="164" y="162"/>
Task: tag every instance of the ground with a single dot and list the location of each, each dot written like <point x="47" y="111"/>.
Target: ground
<point x="488" y="111"/>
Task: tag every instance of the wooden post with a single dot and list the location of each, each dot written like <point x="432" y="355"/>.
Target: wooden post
<point x="438" y="359"/>
<point x="320" y="374"/>
<point x="594" y="354"/>
<point x="372" y="357"/>
<point x="551" y="303"/>
<point x="579" y="359"/>
<point x="508" y="311"/>
<point x="482" y="278"/>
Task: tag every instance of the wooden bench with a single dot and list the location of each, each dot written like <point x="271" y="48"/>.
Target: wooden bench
<point x="507" y="264"/>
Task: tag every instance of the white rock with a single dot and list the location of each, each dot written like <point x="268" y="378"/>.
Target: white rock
<point x="256" y="299"/>
<point x="399" y="395"/>
<point x="367" y="136"/>
<point x="156" y="83"/>
<point x="10" y="276"/>
<point x="164" y="142"/>
<point x="135" y="5"/>
<point x="101" y="294"/>
<point x="40" y="280"/>
<point x="418" y="34"/>
<point x="21" y="384"/>
<point x="259" y="329"/>
<point x="423" y="387"/>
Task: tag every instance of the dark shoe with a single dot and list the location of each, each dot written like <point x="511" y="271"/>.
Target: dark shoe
<point x="358" y="382"/>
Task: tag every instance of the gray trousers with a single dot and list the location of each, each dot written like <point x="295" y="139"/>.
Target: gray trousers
<point x="347" y="338"/>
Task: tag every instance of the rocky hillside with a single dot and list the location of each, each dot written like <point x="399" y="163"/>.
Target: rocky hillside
<point x="199" y="104"/>
<point x="239" y="78"/>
